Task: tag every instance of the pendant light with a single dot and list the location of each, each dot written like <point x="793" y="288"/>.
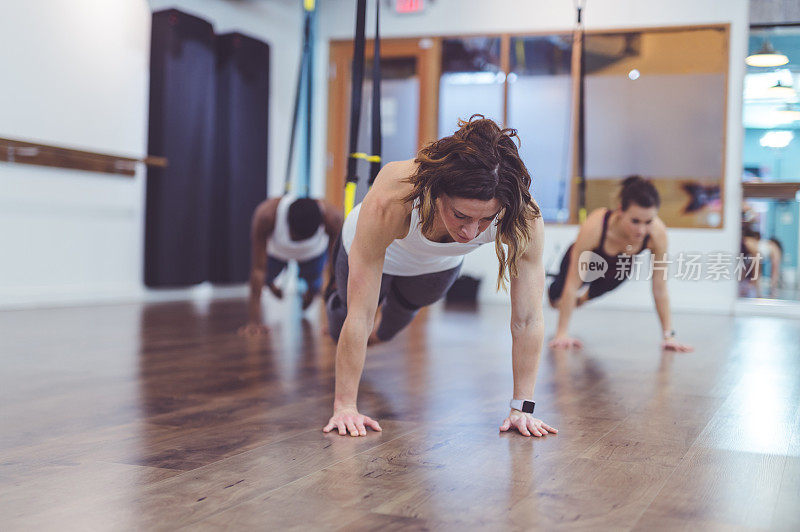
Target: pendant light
<point x="779" y="90"/>
<point x="766" y="57"/>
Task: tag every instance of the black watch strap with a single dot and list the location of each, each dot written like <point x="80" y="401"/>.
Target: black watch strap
<point x="523" y="405"/>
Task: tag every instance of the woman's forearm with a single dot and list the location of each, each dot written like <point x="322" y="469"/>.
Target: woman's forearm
<point x="350" y="354"/>
<point x="661" y="298"/>
<point x="775" y="274"/>
<point x="526" y="352"/>
<point x="565" y="307"/>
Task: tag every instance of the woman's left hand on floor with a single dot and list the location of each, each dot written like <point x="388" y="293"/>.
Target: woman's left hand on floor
<point x="526" y="424"/>
<point x="671" y="344"/>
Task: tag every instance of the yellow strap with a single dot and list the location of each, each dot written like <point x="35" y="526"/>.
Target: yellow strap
<point x="370" y="158"/>
<point x="520" y="50"/>
<point x="582" y="215"/>
<point x="349" y="196"/>
<point x="308" y="5"/>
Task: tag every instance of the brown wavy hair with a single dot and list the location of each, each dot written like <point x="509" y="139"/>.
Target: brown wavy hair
<point x="479" y="161"/>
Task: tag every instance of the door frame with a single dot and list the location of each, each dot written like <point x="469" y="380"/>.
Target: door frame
<point x="426" y="51"/>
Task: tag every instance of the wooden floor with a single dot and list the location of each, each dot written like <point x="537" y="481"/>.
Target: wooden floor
<point x="160" y="417"/>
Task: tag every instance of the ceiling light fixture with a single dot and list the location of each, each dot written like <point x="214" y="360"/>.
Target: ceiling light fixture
<point x="766" y="57"/>
<point x="779" y="90"/>
<point x="776" y="139"/>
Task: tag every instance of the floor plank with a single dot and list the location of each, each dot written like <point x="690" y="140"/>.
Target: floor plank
<point x="160" y="417"/>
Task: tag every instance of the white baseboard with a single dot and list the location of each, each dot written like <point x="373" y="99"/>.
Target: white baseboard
<point x="643" y="303"/>
<point x="69" y="296"/>
<point x="767" y="307"/>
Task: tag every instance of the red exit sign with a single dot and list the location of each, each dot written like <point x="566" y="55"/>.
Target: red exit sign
<point x="409" y="6"/>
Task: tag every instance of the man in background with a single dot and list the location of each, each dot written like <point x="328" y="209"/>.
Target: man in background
<point x="289" y="229"/>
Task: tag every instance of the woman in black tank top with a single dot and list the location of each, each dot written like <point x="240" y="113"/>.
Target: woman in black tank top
<point x="606" y="250"/>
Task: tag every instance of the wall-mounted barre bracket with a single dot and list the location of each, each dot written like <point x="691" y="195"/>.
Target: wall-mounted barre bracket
<point x="24" y="152"/>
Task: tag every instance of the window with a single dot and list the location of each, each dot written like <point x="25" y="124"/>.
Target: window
<point x="655" y="107"/>
<point x="540" y="108"/>
<point x="471" y="81"/>
<point x="771" y="162"/>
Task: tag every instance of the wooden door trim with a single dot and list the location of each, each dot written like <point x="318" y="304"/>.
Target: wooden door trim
<point x="426" y="51"/>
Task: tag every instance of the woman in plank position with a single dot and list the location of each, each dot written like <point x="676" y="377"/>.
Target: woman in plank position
<point x="614" y="237"/>
<point x="404" y="246"/>
<point x="758" y="252"/>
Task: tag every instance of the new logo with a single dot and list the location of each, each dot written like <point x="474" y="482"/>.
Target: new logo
<point x="591" y="266"/>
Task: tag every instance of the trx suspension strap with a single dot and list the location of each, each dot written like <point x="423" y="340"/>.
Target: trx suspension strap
<point x="351" y="182"/>
<point x="355" y="107"/>
<point x="308" y="7"/>
<point x="304" y="73"/>
<point x="580" y="147"/>
<point x="376" y="146"/>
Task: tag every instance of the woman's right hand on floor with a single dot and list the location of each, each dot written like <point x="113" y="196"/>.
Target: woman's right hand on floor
<point x="526" y="424"/>
<point x="564" y="342"/>
<point x="349" y="420"/>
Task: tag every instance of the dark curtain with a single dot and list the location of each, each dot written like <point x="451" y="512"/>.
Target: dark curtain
<point x="240" y="177"/>
<point x="181" y="128"/>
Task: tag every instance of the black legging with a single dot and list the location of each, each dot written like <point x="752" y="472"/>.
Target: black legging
<point x="402" y="296"/>
<point x="597" y="287"/>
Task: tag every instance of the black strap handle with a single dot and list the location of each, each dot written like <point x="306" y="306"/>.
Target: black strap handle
<point x="356" y="88"/>
<point x="303" y="72"/>
<point x="376" y="148"/>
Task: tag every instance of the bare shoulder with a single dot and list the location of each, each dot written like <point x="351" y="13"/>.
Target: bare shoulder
<point x="329" y="209"/>
<point x="265" y="211"/>
<point x="536" y="244"/>
<point x="536" y="226"/>
<point x="750" y="244"/>
<point x="658" y="235"/>
<point x="592" y="228"/>
<point x="392" y="180"/>
<point x="332" y="217"/>
<point x="269" y="205"/>
<point x="264" y="217"/>
<point x="595" y="219"/>
<point x="385" y="202"/>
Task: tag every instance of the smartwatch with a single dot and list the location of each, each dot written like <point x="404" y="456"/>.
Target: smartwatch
<point x="669" y="334"/>
<point x="523" y="405"/>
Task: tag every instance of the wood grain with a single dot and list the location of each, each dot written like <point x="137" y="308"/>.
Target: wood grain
<point x="161" y="417"/>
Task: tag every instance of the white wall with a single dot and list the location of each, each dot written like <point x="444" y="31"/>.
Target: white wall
<point x="459" y="17"/>
<point x="77" y="74"/>
<point x="79" y="77"/>
<point x="74" y="74"/>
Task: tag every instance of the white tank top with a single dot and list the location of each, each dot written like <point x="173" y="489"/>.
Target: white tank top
<point x="415" y="254"/>
<point x="282" y="247"/>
